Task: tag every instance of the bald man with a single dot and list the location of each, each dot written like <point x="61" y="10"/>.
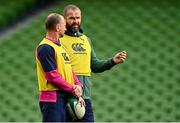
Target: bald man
<point x="57" y="82"/>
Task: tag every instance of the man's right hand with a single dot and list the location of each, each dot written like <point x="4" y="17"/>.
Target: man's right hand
<point x="81" y="101"/>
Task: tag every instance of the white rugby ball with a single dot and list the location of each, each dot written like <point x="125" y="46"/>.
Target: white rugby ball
<point x="75" y="109"/>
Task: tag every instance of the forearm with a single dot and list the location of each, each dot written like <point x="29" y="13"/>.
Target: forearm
<point x="56" y="79"/>
<point x="98" y="65"/>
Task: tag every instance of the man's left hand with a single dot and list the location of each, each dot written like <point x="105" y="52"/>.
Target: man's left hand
<point x="120" y="57"/>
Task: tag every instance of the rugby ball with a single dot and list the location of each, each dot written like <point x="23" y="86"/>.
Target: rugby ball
<point x="75" y="109"/>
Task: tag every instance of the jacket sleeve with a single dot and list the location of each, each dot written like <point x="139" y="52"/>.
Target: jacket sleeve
<point x="98" y="65"/>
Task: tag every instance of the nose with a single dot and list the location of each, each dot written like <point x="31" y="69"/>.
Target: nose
<point x="75" y="20"/>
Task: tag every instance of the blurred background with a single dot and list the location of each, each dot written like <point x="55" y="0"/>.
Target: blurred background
<point x="145" y="88"/>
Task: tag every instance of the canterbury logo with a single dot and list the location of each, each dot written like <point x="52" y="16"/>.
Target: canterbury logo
<point x="78" y="47"/>
<point x="65" y="56"/>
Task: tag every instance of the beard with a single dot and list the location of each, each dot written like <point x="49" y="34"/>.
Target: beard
<point x="72" y="28"/>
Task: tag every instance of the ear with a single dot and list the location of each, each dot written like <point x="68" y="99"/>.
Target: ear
<point x="57" y="27"/>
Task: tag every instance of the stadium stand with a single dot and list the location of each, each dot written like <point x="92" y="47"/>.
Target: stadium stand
<point x="12" y="11"/>
<point x="145" y="88"/>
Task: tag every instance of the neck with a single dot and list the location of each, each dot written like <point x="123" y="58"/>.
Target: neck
<point x="52" y="35"/>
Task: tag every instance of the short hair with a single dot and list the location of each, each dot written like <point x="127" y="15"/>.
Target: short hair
<point x="68" y="7"/>
<point x="52" y="20"/>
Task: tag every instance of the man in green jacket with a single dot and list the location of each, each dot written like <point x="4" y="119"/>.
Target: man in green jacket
<point x="82" y="56"/>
